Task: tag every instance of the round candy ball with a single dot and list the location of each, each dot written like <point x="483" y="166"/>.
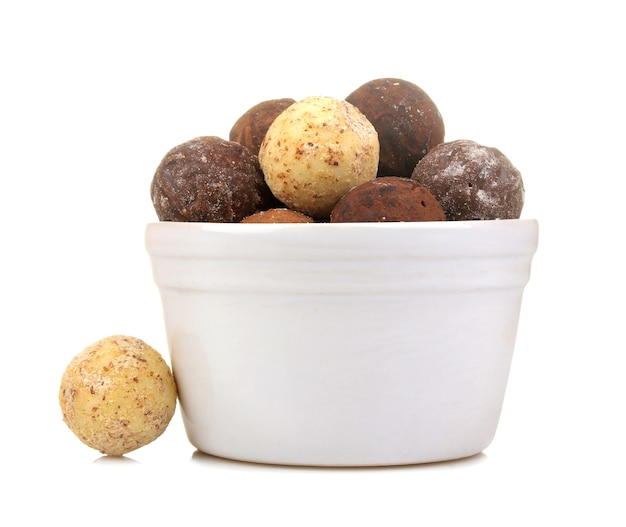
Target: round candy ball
<point x="278" y="215"/>
<point x="315" y="151"/>
<point x="389" y="198"/>
<point x="406" y="119"/>
<point x="209" y="179"/>
<point x="250" y="129"/>
<point x="117" y="395"/>
<point x="472" y="181"/>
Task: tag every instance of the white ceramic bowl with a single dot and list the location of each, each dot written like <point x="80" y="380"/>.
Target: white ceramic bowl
<point x="341" y="344"/>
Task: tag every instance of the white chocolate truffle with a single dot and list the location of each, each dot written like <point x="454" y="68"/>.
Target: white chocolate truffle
<point x="117" y="395"/>
<point x="315" y="151"/>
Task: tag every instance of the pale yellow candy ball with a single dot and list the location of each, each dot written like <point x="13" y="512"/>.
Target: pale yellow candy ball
<point x="118" y="395"/>
<point x="315" y="151"/>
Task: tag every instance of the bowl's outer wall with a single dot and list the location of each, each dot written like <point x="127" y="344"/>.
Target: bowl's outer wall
<point x="367" y="346"/>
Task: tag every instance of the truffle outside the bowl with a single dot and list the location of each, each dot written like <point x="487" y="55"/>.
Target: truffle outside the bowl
<point x="341" y="344"/>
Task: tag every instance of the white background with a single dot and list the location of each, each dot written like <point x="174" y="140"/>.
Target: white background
<point x="92" y="95"/>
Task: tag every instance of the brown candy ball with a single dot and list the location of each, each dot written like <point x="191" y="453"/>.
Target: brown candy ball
<point x="389" y="198"/>
<point x="472" y="181"/>
<point x="209" y="179"/>
<point x="249" y="130"/>
<point x="406" y="119"/>
<point x="278" y="216"/>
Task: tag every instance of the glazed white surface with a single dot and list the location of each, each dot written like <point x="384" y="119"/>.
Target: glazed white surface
<point x="342" y="345"/>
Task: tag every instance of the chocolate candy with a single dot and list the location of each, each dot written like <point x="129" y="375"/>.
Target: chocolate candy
<point x="472" y="181"/>
<point x="278" y="215"/>
<point x="389" y="198"/>
<point x="209" y="179"/>
<point x="250" y="129"/>
<point x="117" y="395"/>
<point x="406" y="119"/>
<point x="315" y="151"/>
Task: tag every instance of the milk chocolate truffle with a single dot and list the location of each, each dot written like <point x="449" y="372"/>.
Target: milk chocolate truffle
<point x="472" y="181"/>
<point x="389" y="198"/>
<point x="250" y="129"/>
<point x="278" y="215"/>
<point x="209" y="179"/>
<point x="315" y="151"/>
<point x="406" y="119"/>
<point x="117" y="395"/>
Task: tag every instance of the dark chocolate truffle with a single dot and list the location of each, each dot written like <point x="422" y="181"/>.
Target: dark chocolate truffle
<point x="209" y="179"/>
<point x="389" y="198"/>
<point x="406" y="119"/>
<point x="472" y="181"/>
<point x="278" y="215"/>
<point x="250" y="129"/>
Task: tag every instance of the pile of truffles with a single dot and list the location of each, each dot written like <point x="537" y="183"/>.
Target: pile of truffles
<point x="379" y="155"/>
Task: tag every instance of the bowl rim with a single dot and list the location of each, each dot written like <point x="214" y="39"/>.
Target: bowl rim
<point x="443" y="239"/>
<point x="388" y="225"/>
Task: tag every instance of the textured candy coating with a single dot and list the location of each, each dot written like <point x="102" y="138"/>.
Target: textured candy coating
<point x="278" y="215"/>
<point x="209" y="179"/>
<point x="389" y="198"/>
<point x="315" y="151"/>
<point x="117" y="395"/>
<point x="472" y="181"/>
<point x="250" y="129"/>
<point x="406" y="119"/>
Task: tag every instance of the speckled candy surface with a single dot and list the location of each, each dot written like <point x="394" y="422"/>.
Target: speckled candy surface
<point x="407" y="120"/>
<point x="209" y="179"/>
<point x="389" y="198"/>
<point x="315" y="151"/>
<point x="117" y="395"/>
<point x="250" y="129"/>
<point x="278" y="215"/>
<point x="472" y="181"/>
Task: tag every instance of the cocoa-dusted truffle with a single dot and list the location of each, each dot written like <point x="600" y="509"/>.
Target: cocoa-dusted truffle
<point x="472" y="181"/>
<point x="249" y="130"/>
<point x="406" y="119"/>
<point x="278" y="215"/>
<point x="389" y="198"/>
<point x="209" y="179"/>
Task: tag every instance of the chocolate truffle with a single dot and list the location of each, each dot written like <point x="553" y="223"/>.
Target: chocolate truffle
<point x="209" y="179"/>
<point x="406" y="119"/>
<point x="278" y="216"/>
<point x="250" y="129"/>
<point x="315" y="151"/>
<point x="389" y="198"/>
<point x="472" y="181"/>
<point x="117" y="395"/>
